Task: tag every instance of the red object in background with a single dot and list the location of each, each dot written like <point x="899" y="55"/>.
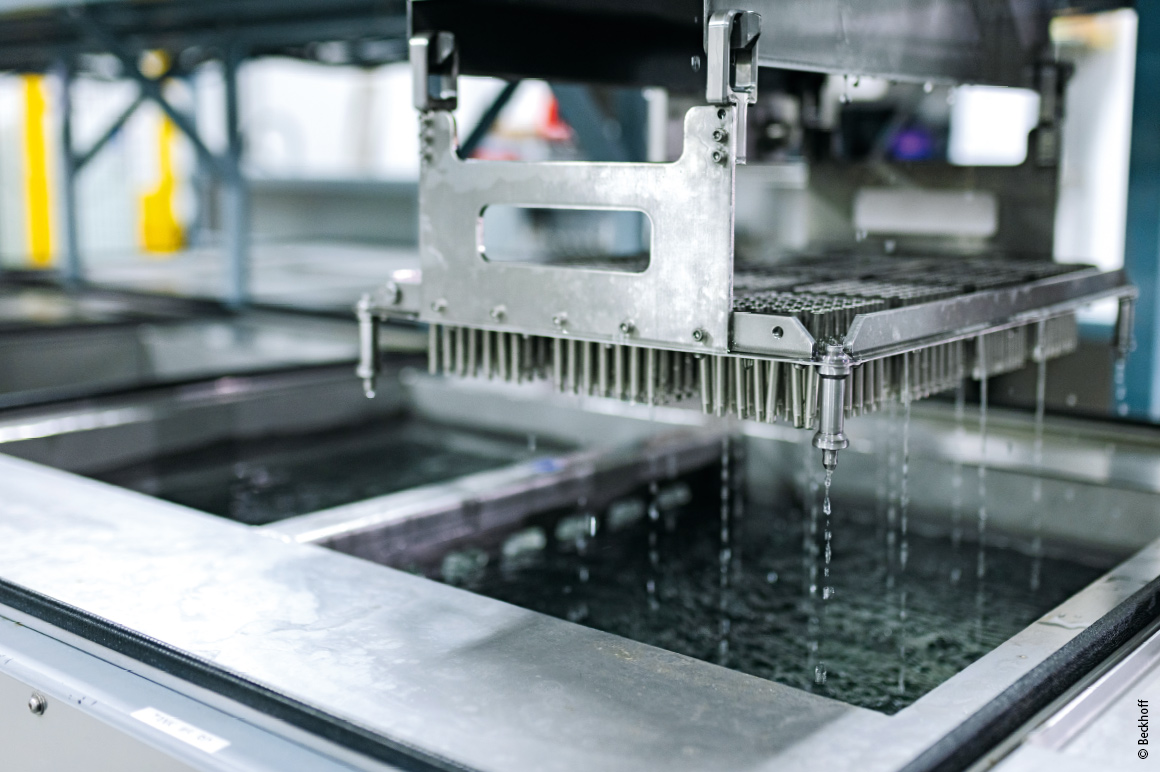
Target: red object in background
<point x="554" y="127"/>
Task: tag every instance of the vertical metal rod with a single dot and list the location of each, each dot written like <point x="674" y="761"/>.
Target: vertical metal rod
<point x="573" y="366"/>
<point x="472" y="347"/>
<point x="665" y="372"/>
<point x="73" y="271"/>
<point x="739" y="387"/>
<point x="720" y="388"/>
<point x="706" y="383"/>
<point x="368" y="345"/>
<point x="618" y="371"/>
<point x="772" y="389"/>
<point x="448" y="352"/>
<point x="650" y="376"/>
<point x="1125" y="323"/>
<point x="517" y="370"/>
<point x="758" y="390"/>
<point x="461" y="351"/>
<point x="433" y="349"/>
<point x="501" y="355"/>
<point x="797" y="375"/>
<point x="811" y="394"/>
<point x="860" y="390"/>
<point x="586" y="368"/>
<point x="633" y="373"/>
<point x="558" y="364"/>
<point x="830" y="437"/>
<point x="235" y="199"/>
<point x="487" y="353"/>
<point x="848" y="397"/>
<point x="603" y="351"/>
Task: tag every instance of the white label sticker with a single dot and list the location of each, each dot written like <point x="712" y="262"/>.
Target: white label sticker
<point x="174" y="727"/>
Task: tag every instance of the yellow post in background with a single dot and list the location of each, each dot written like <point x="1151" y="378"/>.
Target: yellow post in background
<point x="38" y="201"/>
<point x="161" y="232"/>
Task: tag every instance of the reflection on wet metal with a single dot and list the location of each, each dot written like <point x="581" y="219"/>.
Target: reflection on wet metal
<point x="777" y="614"/>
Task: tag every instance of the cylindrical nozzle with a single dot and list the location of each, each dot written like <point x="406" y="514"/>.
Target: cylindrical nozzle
<point x="830" y="437"/>
<point x="368" y="345"/>
<point x="1124" y="324"/>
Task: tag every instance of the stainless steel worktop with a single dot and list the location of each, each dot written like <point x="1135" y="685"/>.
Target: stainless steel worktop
<point x="479" y="682"/>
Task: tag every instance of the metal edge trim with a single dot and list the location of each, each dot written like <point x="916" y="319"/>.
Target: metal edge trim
<point x="974" y="737"/>
<point x="179" y="664"/>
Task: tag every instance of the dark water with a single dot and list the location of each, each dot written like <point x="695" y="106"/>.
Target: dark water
<point x="263" y="481"/>
<point x="884" y="637"/>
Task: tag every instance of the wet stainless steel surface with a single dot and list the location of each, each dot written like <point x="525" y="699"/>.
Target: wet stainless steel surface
<point x="481" y="682"/>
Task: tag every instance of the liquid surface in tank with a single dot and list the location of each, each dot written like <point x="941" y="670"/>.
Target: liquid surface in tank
<point x="885" y="636"/>
<point x="267" y="480"/>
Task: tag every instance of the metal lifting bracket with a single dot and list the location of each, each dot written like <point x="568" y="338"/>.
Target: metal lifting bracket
<point x="683" y="300"/>
<point x="731" y="46"/>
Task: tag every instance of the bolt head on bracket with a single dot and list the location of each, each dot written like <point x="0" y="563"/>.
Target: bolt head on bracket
<point x="37" y="704"/>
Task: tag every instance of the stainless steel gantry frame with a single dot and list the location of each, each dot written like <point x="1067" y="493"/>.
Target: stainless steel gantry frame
<point x="683" y="301"/>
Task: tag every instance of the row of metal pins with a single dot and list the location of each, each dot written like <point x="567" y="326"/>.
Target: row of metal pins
<point x="759" y="389"/>
<point x="469" y="352"/>
<point x="1060" y="337"/>
<point x="632" y="373"/>
<point x="1006" y="352"/>
<point x="748" y="388"/>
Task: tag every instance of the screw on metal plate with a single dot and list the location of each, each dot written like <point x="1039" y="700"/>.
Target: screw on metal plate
<point x="721" y="113"/>
<point x="777" y="332"/>
<point x="560" y="319"/>
<point x="37" y="704"/>
<point x="720" y="156"/>
<point x="699" y="335"/>
<point x="439" y="306"/>
<point x="498" y="313"/>
<point x="720" y="135"/>
<point x="627" y="327"/>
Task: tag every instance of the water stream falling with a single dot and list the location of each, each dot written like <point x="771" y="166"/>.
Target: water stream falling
<point x="893" y="468"/>
<point x="810" y="514"/>
<point x="981" y="555"/>
<point x="956" y="572"/>
<point x="578" y="611"/>
<point x="1037" y="461"/>
<point x="654" y="558"/>
<point x="822" y="670"/>
<point x="1121" y="386"/>
<point x="904" y="483"/>
<point x="726" y="554"/>
<point x="904" y="520"/>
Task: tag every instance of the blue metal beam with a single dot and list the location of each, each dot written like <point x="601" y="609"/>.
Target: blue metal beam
<point x="1142" y="244"/>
